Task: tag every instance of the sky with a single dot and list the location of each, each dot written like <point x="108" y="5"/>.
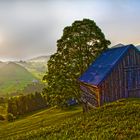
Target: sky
<point x="30" y="28"/>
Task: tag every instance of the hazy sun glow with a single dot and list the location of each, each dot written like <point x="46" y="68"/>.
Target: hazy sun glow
<point x="1" y="39"/>
<point x="32" y="27"/>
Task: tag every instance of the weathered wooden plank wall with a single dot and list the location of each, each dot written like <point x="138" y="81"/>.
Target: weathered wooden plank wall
<point x="115" y="86"/>
<point x="90" y="95"/>
<point x="122" y="82"/>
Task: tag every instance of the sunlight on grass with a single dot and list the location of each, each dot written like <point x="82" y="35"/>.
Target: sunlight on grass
<point x="118" y="120"/>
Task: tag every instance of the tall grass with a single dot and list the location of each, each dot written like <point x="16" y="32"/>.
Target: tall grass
<point x="114" y="121"/>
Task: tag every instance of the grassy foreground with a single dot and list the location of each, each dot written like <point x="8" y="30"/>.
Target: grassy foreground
<point x="115" y="121"/>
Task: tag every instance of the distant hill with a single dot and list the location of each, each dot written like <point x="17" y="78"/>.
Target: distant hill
<point x="37" y="66"/>
<point x="138" y="47"/>
<point x="13" y="70"/>
<point x="39" y="59"/>
<point x="14" y="77"/>
<point x="118" y="45"/>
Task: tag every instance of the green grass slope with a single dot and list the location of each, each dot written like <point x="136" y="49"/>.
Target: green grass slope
<point x="14" y="77"/>
<point x="115" y="121"/>
<point x="38" y="69"/>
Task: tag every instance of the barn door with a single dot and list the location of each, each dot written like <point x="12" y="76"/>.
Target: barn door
<point x="129" y="82"/>
<point x="132" y="81"/>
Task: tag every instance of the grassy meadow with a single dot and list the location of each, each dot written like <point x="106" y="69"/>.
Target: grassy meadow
<point x="16" y="78"/>
<point x="114" y="121"/>
<point x="13" y="77"/>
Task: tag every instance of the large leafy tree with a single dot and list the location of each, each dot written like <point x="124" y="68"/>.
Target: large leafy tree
<point x="79" y="45"/>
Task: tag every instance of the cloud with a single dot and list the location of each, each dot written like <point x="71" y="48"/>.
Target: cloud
<point x="32" y="27"/>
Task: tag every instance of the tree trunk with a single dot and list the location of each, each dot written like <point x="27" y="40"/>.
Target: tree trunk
<point x="85" y="107"/>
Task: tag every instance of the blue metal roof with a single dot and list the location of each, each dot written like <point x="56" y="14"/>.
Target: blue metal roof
<point x="103" y="65"/>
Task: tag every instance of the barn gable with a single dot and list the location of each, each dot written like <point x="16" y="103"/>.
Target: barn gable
<point x="103" y="65"/>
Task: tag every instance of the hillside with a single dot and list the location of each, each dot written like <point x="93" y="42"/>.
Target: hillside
<point x="40" y="59"/>
<point x="37" y="66"/>
<point x="14" y="77"/>
<point x="114" y="121"/>
<point x="117" y="45"/>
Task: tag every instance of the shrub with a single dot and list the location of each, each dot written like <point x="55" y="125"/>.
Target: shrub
<point x="10" y="117"/>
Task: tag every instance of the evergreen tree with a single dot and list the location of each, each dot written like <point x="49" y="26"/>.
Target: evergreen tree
<point x="39" y="99"/>
<point x="23" y="104"/>
<point x="12" y="106"/>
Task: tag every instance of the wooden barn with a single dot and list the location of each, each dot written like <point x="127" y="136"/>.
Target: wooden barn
<point x="113" y="75"/>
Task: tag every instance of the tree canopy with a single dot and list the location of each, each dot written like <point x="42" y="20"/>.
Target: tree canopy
<point x="79" y="45"/>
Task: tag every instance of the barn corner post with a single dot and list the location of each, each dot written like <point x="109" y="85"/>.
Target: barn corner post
<point x="90" y="97"/>
<point x="97" y="103"/>
<point x="85" y="107"/>
<point x="82" y="101"/>
<point x="98" y="97"/>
